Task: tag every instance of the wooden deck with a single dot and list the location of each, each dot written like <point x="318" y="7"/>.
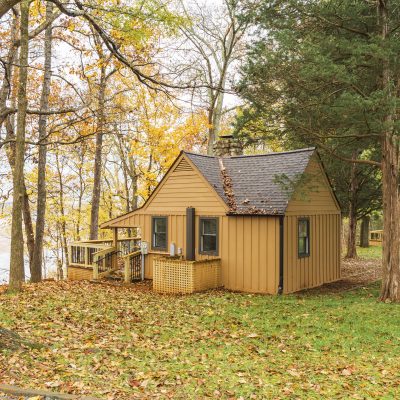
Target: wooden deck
<point x="94" y="259"/>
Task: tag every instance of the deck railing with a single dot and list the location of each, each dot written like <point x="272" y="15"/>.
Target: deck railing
<point x="105" y="261"/>
<point x="100" y="255"/>
<point x="133" y="268"/>
<point x="82" y="253"/>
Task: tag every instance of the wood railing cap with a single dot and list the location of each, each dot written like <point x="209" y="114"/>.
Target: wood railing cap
<point x="135" y="253"/>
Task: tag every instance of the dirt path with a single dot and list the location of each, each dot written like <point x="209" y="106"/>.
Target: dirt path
<point x="355" y="273"/>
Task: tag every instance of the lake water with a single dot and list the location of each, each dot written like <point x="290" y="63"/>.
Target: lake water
<point x="5" y="242"/>
<point x="4" y="253"/>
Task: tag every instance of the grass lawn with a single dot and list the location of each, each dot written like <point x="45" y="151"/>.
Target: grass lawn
<point x="368" y="253"/>
<point x="371" y="252"/>
<point x="122" y="343"/>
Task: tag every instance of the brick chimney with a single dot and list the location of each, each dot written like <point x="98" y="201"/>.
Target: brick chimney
<point x="227" y="145"/>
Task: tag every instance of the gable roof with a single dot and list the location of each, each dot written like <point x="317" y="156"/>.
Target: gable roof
<point x="253" y="178"/>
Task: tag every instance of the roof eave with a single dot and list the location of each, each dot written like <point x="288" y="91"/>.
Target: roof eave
<point x="108" y="224"/>
<point x="240" y="214"/>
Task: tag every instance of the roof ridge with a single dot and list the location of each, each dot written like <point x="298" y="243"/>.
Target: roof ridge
<point x="198" y="154"/>
<point x="275" y="153"/>
<point x="254" y="155"/>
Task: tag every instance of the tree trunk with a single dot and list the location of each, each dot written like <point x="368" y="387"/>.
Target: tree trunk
<point x="17" y="272"/>
<point x="218" y="105"/>
<point x="149" y="167"/>
<point x="27" y="217"/>
<point x="63" y="224"/>
<point x="390" y="258"/>
<point x="26" y="209"/>
<point x="60" y="271"/>
<point x="351" y="237"/>
<point x="211" y="134"/>
<point x="94" y="215"/>
<point x="82" y="187"/>
<point x="5" y="92"/>
<point x="10" y="133"/>
<point x="364" y="234"/>
<point x="214" y="120"/>
<point x="7" y="5"/>
<point x="36" y="267"/>
<point x="390" y="180"/>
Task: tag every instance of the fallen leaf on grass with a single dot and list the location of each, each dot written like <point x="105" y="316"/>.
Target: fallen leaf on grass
<point x="54" y="384"/>
<point x="346" y="372"/>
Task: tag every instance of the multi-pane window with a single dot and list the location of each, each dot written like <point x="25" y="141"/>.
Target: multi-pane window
<point x="303" y="237"/>
<point x="209" y="236"/>
<point x="159" y="233"/>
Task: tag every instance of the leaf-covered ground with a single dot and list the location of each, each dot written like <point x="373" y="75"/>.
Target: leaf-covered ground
<point x="123" y="343"/>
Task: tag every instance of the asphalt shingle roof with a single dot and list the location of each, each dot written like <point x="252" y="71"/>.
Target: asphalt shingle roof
<point x="254" y="185"/>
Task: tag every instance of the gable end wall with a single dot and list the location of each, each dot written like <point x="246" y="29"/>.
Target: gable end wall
<point x="320" y="206"/>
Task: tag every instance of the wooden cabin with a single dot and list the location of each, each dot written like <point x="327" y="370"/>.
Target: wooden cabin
<point x="272" y="220"/>
<point x="376" y="238"/>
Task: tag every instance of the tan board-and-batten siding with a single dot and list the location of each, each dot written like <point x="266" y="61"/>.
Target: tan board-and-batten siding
<point x="249" y="248"/>
<point x="316" y="202"/>
<point x="323" y="263"/>
<point x="184" y="187"/>
<point x="250" y="254"/>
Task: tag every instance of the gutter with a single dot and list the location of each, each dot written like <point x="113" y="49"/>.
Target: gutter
<point x="281" y="244"/>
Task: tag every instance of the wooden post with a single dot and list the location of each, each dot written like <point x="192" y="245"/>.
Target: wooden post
<point x="127" y="271"/>
<point x="86" y="255"/>
<point x="71" y="258"/>
<point x="95" y="271"/>
<point x="115" y="245"/>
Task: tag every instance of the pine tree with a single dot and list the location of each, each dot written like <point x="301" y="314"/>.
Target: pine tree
<point x="327" y="73"/>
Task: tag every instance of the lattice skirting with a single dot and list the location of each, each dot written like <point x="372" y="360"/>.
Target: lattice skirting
<point x="181" y="276"/>
<point x="79" y="273"/>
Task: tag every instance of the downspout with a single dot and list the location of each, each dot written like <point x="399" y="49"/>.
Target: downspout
<point x="190" y="234"/>
<point x="281" y="244"/>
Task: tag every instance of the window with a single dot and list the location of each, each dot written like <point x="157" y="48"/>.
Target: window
<point x="209" y="236"/>
<point x="303" y="237"/>
<point x="159" y="233"/>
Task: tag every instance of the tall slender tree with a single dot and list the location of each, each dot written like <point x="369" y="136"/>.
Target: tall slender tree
<point x="36" y="267"/>
<point x="100" y="130"/>
<point x="213" y="44"/>
<point x="17" y="274"/>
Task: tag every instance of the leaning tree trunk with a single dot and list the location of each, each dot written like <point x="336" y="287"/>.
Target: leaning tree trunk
<point x="94" y="214"/>
<point x="390" y="180"/>
<point x="364" y="231"/>
<point x="17" y="273"/>
<point x="351" y="238"/>
<point x="36" y="265"/>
